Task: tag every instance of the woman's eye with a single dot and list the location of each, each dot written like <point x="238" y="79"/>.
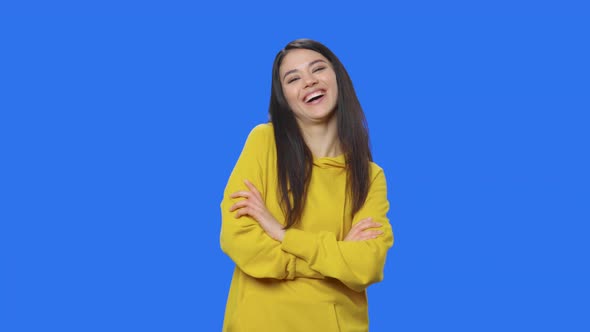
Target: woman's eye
<point x="319" y="69"/>
<point x="291" y="80"/>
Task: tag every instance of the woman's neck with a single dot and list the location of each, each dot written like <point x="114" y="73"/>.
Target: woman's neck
<point x="322" y="138"/>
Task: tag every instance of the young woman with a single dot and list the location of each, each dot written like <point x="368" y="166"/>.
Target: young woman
<point x="304" y="211"/>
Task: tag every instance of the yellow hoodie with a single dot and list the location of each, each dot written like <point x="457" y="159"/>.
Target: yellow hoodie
<point x="312" y="281"/>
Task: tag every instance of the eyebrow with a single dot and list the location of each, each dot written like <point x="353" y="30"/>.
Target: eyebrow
<point x="308" y="65"/>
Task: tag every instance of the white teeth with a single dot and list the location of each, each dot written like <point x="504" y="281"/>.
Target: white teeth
<point x="313" y="95"/>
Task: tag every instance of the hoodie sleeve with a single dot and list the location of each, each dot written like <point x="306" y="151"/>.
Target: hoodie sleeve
<point x="357" y="264"/>
<point x="242" y="239"/>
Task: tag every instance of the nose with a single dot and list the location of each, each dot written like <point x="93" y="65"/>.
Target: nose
<point x="310" y="80"/>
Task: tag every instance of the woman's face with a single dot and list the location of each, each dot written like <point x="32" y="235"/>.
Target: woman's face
<point x="309" y="85"/>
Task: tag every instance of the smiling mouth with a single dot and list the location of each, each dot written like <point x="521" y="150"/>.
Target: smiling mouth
<point x="314" y="97"/>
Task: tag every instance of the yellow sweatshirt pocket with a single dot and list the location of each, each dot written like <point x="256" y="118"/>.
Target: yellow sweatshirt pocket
<point x="256" y="315"/>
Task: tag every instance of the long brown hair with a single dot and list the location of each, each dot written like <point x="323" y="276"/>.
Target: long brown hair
<point x="295" y="160"/>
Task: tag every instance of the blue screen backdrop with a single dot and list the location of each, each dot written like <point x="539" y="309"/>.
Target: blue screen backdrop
<point x="120" y="124"/>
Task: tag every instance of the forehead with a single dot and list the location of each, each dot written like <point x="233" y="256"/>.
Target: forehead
<point x="299" y="59"/>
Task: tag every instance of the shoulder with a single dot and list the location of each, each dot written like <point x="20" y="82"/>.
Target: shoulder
<point x="262" y="133"/>
<point x="263" y="129"/>
<point x="376" y="172"/>
<point x="260" y="141"/>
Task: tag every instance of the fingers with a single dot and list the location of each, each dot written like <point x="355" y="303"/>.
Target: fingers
<point x="252" y="188"/>
<point x="253" y="192"/>
<point x="366" y="235"/>
<point x="250" y="205"/>
<point x="372" y="234"/>
<point x="239" y="205"/>
<point x="369" y="234"/>
<point x="364" y="230"/>
<point x="242" y="193"/>
<point x="244" y="208"/>
<point x="365" y="224"/>
<point x="243" y="212"/>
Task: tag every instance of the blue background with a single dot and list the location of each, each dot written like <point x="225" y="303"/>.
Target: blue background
<point x="120" y="124"/>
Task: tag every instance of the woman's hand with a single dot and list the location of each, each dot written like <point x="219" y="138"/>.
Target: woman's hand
<point x="360" y="231"/>
<point x="253" y="206"/>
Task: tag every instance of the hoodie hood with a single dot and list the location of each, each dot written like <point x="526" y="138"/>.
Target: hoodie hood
<point x="330" y="162"/>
